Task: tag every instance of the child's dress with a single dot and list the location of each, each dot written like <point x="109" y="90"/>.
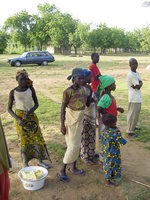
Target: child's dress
<point x="111" y="140"/>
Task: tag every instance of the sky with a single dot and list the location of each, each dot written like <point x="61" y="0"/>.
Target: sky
<point x="125" y="14"/>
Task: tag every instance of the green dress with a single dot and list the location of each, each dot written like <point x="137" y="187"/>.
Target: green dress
<point x="4" y="155"/>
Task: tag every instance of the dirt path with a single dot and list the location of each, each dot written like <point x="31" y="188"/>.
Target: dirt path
<point x="135" y="165"/>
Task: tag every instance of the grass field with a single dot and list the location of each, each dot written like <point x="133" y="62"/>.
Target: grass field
<point x="50" y="82"/>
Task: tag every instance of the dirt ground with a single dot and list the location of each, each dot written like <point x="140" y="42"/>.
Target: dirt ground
<point x="135" y="165"/>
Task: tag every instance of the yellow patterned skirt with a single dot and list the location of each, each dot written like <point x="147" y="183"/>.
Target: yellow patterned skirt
<point x="30" y="137"/>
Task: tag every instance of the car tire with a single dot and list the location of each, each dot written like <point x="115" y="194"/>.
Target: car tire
<point x="17" y="63"/>
<point x="45" y="63"/>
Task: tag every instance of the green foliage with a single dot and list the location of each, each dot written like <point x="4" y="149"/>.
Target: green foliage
<point x="19" y="27"/>
<point x="3" y="41"/>
<point x="79" y="37"/>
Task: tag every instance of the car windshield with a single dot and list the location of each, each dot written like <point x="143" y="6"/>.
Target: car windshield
<point x="23" y="55"/>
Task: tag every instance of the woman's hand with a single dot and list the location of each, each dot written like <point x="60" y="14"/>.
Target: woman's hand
<point x="119" y="109"/>
<point x="63" y="129"/>
<point x="20" y="122"/>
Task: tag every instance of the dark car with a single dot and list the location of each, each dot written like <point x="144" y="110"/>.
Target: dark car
<point x="32" y="57"/>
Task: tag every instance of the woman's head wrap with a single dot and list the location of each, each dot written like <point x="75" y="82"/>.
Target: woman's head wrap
<point x="24" y="72"/>
<point x="87" y="72"/>
<point x="21" y="72"/>
<point x="76" y="72"/>
<point x="105" y="81"/>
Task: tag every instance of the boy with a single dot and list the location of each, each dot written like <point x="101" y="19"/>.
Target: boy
<point x="134" y="96"/>
<point x="95" y="71"/>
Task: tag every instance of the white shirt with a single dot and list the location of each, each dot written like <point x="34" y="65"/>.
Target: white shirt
<point x="134" y="95"/>
<point x="23" y="100"/>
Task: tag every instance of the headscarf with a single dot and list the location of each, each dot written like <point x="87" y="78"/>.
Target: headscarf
<point x="76" y="72"/>
<point x="87" y="72"/>
<point x="24" y="72"/>
<point x="105" y="81"/>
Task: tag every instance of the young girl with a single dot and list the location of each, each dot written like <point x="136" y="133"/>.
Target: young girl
<point x="4" y="166"/>
<point x="89" y="125"/>
<point x="72" y="113"/>
<point x="27" y="124"/>
<point x="107" y="102"/>
<point x="111" y="139"/>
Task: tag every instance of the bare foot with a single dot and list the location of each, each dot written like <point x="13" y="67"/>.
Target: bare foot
<point x="109" y="184"/>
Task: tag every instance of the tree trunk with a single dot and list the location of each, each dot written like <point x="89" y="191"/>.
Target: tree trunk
<point x="75" y="49"/>
<point x="41" y="46"/>
<point x="63" y="50"/>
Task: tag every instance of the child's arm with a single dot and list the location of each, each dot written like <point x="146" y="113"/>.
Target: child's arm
<point x="119" y="109"/>
<point x="138" y="87"/>
<point x="118" y="138"/>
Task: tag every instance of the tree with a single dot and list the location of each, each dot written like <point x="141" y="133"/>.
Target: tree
<point x="117" y="38"/>
<point x="3" y="41"/>
<point x="19" y="25"/>
<point x="93" y="40"/>
<point x="39" y="33"/>
<point x="60" y="28"/>
<point x="145" y="43"/>
<point x="79" y="37"/>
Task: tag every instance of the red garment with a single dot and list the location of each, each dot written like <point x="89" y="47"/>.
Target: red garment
<point x="4" y="185"/>
<point x="95" y="71"/>
<point x="112" y="109"/>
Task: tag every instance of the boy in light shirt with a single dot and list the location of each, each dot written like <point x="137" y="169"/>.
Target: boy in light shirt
<point x="134" y="96"/>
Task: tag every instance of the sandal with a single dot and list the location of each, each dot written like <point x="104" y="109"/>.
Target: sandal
<point x="45" y="165"/>
<point x="63" y="178"/>
<point x="79" y="172"/>
<point x="88" y="162"/>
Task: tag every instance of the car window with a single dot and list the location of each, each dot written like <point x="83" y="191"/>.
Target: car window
<point x="46" y="54"/>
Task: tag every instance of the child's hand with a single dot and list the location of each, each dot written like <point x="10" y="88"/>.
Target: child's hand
<point x="119" y="109"/>
<point x="63" y="129"/>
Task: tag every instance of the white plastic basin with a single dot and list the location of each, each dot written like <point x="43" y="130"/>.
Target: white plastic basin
<point x="33" y="184"/>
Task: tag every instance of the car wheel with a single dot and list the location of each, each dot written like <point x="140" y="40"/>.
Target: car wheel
<point x="45" y="63"/>
<point x="17" y="63"/>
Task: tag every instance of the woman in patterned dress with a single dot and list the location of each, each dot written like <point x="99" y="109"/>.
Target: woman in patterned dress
<point x="27" y="124"/>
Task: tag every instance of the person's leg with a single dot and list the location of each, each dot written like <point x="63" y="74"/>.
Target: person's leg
<point x="133" y="116"/>
<point x="24" y="160"/>
<point x="75" y="170"/>
<point x="85" y="142"/>
<point x="4" y="186"/>
<point x="63" y="170"/>
<point x="7" y="185"/>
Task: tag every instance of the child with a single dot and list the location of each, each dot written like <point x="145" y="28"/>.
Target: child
<point x="134" y="96"/>
<point x="27" y="124"/>
<point x="95" y="71"/>
<point x="72" y="113"/>
<point x="111" y="139"/>
<point x="107" y="102"/>
<point x="4" y="166"/>
<point x="89" y="125"/>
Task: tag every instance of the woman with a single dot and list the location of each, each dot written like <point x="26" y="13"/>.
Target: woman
<point x="27" y="124"/>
